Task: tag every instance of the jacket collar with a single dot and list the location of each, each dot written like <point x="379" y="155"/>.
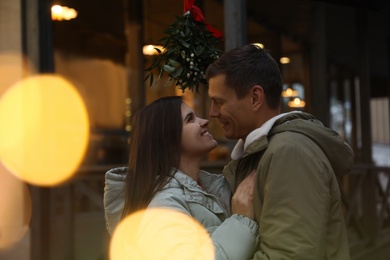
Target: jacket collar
<point x="241" y="146"/>
<point x="206" y="179"/>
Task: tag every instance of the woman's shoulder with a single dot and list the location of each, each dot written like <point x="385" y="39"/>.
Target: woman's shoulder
<point x="174" y="189"/>
<point x="171" y="196"/>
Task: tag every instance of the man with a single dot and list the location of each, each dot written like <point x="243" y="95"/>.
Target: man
<point x="297" y="200"/>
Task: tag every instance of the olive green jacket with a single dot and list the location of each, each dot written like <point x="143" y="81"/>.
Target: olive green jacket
<point x="297" y="198"/>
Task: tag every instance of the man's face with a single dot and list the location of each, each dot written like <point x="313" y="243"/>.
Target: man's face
<point x="235" y="115"/>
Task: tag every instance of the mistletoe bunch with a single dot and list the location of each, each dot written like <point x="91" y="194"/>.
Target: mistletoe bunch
<point x="189" y="49"/>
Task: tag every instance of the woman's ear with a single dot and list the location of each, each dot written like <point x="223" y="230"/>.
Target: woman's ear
<point x="257" y="96"/>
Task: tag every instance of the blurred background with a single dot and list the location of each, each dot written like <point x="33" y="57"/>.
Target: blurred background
<point x="335" y="61"/>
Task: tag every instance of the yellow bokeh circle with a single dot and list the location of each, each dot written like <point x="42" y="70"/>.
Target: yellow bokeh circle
<point x="161" y="234"/>
<point x="44" y="129"/>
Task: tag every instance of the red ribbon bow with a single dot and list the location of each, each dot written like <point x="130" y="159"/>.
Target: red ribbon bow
<point x="198" y="16"/>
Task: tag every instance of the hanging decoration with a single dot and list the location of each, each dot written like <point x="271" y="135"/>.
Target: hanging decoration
<point x="190" y="46"/>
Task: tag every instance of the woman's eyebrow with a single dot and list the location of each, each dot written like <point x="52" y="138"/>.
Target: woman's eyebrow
<point x="189" y="116"/>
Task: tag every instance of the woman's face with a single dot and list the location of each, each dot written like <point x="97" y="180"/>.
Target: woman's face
<point x="196" y="139"/>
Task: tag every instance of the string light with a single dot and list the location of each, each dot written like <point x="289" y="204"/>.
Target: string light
<point x="284" y="60"/>
<point x="151" y="49"/>
<point x="297" y="102"/>
<point x="259" y="45"/>
<point x="59" y="13"/>
<point x="289" y="92"/>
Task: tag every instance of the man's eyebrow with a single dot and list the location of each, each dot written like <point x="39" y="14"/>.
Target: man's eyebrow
<point x="218" y="99"/>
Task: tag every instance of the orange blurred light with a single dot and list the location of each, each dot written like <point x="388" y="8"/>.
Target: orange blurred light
<point x="297" y="103"/>
<point x="289" y="92"/>
<point x="44" y="130"/>
<point x="59" y="13"/>
<point x="13" y="67"/>
<point x="160" y="234"/>
<point x="284" y="60"/>
<point x="151" y="49"/>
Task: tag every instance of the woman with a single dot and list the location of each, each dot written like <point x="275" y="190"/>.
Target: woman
<point x="166" y="149"/>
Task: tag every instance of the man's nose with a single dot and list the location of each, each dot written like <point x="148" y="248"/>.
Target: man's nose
<point x="214" y="111"/>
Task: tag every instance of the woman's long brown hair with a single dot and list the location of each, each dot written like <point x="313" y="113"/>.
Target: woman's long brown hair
<point x="154" y="151"/>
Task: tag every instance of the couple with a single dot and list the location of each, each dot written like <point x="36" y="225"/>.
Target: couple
<point x="290" y="208"/>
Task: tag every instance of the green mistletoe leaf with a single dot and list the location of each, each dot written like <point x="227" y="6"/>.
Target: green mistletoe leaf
<point x="168" y="68"/>
<point x="188" y="50"/>
<point x="173" y="63"/>
<point x="178" y="71"/>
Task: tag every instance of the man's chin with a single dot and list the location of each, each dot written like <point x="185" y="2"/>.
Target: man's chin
<point x="229" y="135"/>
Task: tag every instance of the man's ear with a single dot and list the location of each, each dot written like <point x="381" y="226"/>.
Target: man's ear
<point x="257" y="96"/>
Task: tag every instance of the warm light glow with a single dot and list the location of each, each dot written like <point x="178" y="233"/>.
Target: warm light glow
<point x="59" y="13"/>
<point x="297" y="103"/>
<point x="44" y="130"/>
<point x="289" y="92"/>
<point x="188" y="96"/>
<point x="160" y="234"/>
<point x="259" y="45"/>
<point x="15" y="209"/>
<point x="284" y="60"/>
<point x="150" y="49"/>
<point x="13" y="67"/>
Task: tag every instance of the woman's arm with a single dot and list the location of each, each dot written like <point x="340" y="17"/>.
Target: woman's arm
<point x="237" y="236"/>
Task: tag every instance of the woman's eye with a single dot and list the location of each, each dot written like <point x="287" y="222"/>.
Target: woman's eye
<point x="191" y="118"/>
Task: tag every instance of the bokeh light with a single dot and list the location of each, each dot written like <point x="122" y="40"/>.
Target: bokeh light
<point x="59" y="13"/>
<point x="160" y="234"/>
<point x="15" y="209"/>
<point x="13" y="68"/>
<point x="44" y="129"/>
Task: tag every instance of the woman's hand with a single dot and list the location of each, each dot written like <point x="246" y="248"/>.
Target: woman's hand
<point x="242" y="201"/>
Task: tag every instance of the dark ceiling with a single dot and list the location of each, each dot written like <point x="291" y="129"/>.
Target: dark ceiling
<point x="99" y="28"/>
<point x="293" y="18"/>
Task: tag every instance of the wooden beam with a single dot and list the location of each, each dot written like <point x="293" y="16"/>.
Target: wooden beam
<point x="369" y="200"/>
<point x="235" y="18"/>
<point x="318" y="96"/>
<point x="364" y="74"/>
<point x="37" y="46"/>
<point x="134" y="61"/>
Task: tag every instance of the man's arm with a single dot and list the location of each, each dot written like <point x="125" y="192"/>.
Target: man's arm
<point x="294" y="194"/>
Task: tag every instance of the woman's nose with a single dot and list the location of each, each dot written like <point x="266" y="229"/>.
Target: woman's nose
<point x="203" y="122"/>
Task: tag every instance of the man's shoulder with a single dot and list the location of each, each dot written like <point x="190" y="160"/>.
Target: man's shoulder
<point x="287" y="138"/>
